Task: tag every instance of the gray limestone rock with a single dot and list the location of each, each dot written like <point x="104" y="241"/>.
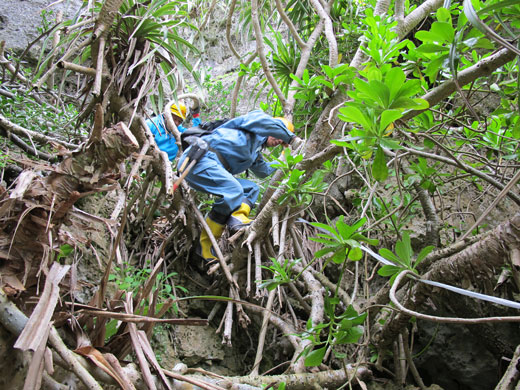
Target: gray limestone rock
<point x="21" y="20"/>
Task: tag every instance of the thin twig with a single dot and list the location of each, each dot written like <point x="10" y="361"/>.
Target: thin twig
<point x="263" y="330"/>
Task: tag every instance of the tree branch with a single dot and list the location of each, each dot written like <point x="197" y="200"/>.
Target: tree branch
<point x="482" y="68"/>
<point x="261" y="53"/>
<point x="329" y="31"/>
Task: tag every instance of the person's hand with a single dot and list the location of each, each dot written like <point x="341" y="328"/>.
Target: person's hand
<point x="195" y="111"/>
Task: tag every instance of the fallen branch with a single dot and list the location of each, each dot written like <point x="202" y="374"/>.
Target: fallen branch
<point x="9" y="126"/>
<point x="15" y="321"/>
<point x="134" y="318"/>
<point x="303" y="381"/>
<point x="510" y="379"/>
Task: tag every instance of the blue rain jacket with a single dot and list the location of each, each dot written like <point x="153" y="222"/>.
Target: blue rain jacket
<point x="239" y="142"/>
<point x="164" y="139"/>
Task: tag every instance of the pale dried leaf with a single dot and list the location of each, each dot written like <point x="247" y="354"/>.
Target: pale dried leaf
<point x="24" y="182"/>
<point x="99" y="360"/>
<point x="13" y="282"/>
<point x="147" y="348"/>
<point x="36" y="329"/>
<point x="138" y="348"/>
<point x="33" y="380"/>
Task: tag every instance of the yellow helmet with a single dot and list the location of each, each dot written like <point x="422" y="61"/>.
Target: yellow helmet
<point x="287" y="123"/>
<point x="181" y="113"/>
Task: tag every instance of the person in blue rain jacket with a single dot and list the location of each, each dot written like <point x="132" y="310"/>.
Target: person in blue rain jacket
<point x="234" y="147"/>
<point x="164" y="139"/>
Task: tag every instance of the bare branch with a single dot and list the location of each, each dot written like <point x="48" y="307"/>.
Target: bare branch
<point x="329" y="31"/>
<point x="289" y="24"/>
<point x="261" y="53"/>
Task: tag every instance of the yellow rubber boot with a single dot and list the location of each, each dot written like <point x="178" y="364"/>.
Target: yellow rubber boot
<point x="205" y="243"/>
<point x="239" y="218"/>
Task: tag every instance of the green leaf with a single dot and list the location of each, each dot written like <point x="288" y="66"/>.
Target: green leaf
<point x="403" y="249"/>
<point x="443" y="15"/>
<point x="360" y="222"/>
<point x="351" y="336"/>
<point x="355" y="254"/>
<point x="423" y="253"/>
<point x="359" y="319"/>
<point x="394" y="79"/>
<point x="429" y="143"/>
<point x="325" y="227"/>
<point x="369" y="241"/>
<point x="432" y="48"/>
<point x="315" y="357"/>
<point x="350" y="312"/>
<point x="344" y="230"/>
<point x="421" y="104"/>
<point x="380" y="93"/>
<point x="339" y="256"/>
<point x="65" y="250"/>
<point x="391" y="144"/>
<point x="323" y="252"/>
<point x="387" y="117"/>
<point x="325" y="241"/>
<point x="379" y="168"/>
<point x="387" y="254"/>
<point x="110" y="328"/>
<point x="352" y="243"/>
<point x="351" y="113"/>
<point x="388" y="270"/>
<point x="516" y="130"/>
<point x="443" y="31"/>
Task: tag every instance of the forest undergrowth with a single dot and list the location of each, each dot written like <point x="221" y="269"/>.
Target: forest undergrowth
<point x="390" y="233"/>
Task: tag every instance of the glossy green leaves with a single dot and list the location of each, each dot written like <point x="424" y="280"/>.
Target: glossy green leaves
<point x="345" y="328"/>
<point x="299" y="188"/>
<point x="402" y="258"/>
<point x="341" y="240"/>
<point x="321" y="85"/>
<point x="382" y="42"/>
<point x="376" y="105"/>
<point x="281" y="273"/>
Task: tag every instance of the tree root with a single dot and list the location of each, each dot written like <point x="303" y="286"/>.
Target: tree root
<point x="510" y="380"/>
<point x="476" y="263"/>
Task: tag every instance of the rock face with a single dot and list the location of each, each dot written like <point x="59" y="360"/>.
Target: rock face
<point x="455" y="359"/>
<point x="199" y="346"/>
<point x="20" y="20"/>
